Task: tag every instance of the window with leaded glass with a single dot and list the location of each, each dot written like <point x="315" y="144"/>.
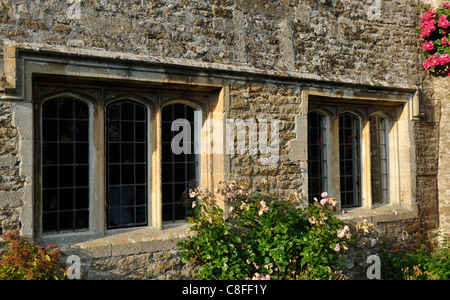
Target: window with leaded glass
<point x="350" y="160"/>
<point x="179" y="162"/>
<point x="317" y="155"/>
<point x="65" y="165"/>
<point x="126" y="164"/>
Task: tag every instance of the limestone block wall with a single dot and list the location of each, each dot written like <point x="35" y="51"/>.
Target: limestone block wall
<point x="328" y="39"/>
<point x="331" y="43"/>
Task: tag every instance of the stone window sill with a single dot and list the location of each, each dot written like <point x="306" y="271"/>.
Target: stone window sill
<point x="120" y="241"/>
<point x="381" y="214"/>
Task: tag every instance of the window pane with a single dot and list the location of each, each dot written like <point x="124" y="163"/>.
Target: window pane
<point x="349" y="158"/>
<point x="178" y="171"/>
<point x="317" y="156"/>
<point x="378" y="160"/>
<point x="65" y="164"/>
<point x="126" y="148"/>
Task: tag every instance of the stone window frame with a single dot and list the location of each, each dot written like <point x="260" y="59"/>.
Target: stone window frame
<point x="97" y="99"/>
<point x="26" y="64"/>
<point x="332" y="129"/>
<point x="400" y="109"/>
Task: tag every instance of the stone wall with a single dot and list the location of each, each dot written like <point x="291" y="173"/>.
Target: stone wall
<point x="328" y="39"/>
<point x="328" y="42"/>
<point x="282" y="102"/>
<point x="10" y="180"/>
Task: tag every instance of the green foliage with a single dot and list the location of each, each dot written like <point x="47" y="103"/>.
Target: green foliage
<point x="418" y="265"/>
<point x="262" y="237"/>
<point x="22" y="260"/>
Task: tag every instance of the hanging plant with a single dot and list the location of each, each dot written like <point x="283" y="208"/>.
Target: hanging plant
<point x="435" y="29"/>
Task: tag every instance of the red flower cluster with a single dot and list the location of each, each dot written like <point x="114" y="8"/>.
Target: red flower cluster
<point x="435" y="28"/>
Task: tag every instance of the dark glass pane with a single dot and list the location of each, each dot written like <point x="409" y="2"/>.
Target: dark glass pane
<point x="141" y="194"/>
<point x="82" y="198"/>
<point x="141" y="153"/>
<point x="180" y="173"/>
<point x="127" y="214"/>
<point x="66" y="153"/>
<point x="114" y="175"/>
<point x="50" y="221"/>
<point x="180" y="211"/>
<point x="177" y="170"/>
<point x="317" y="156"/>
<point x="66" y="174"/>
<point x="113" y="112"/>
<point x="82" y="219"/>
<point x="81" y="110"/>
<point x="141" y="114"/>
<point x="49" y="130"/>
<point x="127" y="153"/>
<point x="49" y="177"/>
<point x="127" y="111"/>
<point x="113" y="131"/>
<point x="126" y="163"/>
<point x="82" y="131"/>
<point x="49" y="153"/>
<point x="141" y="134"/>
<point x="66" y="221"/>
<point x="66" y="108"/>
<point x="128" y="174"/>
<point x="81" y="153"/>
<point x="66" y="199"/>
<point x="350" y="165"/>
<point x="127" y="130"/>
<point x="140" y="174"/>
<point x="81" y="176"/>
<point x="50" y="200"/>
<point x="167" y="193"/>
<point x="378" y="159"/>
<point x="66" y="131"/>
<point x="63" y="121"/>
<point x="141" y="215"/>
<point x="114" y="196"/>
<point x="114" y="153"/>
<point x="50" y="109"/>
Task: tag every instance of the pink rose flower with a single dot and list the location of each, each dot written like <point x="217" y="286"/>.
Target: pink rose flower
<point x="430" y="14"/>
<point x="426" y="32"/>
<point x="341" y="233"/>
<point x="426" y="65"/>
<point x="443" y="22"/>
<point x="428" y="46"/>
<point x="337" y="248"/>
<point x="444" y="59"/>
<point x="323" y="201"/>
<point x="324" y="195"/>
<point x="446" y="4"/>
<point x="432" y="60"/>
<point x="443" y="41"/>
<point x="428" y="24"/>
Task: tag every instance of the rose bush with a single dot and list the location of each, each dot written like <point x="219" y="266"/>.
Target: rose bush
<point x="259" y="236"/>
<point x="435" y="29"/>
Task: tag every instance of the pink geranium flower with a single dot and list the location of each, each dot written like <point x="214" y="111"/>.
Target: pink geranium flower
<point x="428" y="24"/>
<point x="432" y="60"/>
<point x="426" y="32"/>
<point x="443" y="22"/>
<point x="446" y="4"/>
<point x="444" y="59"/>
<point x="428" y="46"/>
<point x="430" y="14"/>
